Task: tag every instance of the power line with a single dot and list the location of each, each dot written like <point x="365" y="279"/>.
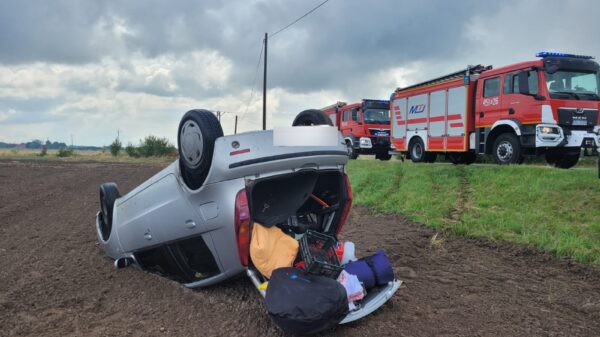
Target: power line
<point x="254" y="80"/>
<point x="298" y="19"/>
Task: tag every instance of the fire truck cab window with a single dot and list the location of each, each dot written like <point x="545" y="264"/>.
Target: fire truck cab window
<point x="532" y="79"/>
<point x="345" y="115"/>
<point x="507" y="86"/>
<point x="355" y="115"/>
<point x="491" y="87"/>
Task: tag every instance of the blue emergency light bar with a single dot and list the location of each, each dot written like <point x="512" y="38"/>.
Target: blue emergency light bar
<point x="376" y="101"/>
<point x="555" y="54"/>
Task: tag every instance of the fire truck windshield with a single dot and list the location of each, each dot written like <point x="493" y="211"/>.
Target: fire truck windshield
<point x="377" y="116"/>
<point x="573" y="84"/>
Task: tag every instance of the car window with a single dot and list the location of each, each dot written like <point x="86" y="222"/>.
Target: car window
<point x="491" y="87"/>
<point x="355" y="115"/>
<point x="345" y="115"/>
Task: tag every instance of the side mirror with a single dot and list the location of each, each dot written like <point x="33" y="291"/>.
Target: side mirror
<point x="523" y="78"/>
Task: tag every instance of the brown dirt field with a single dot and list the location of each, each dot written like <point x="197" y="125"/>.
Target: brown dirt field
<point x="55" y="281"/>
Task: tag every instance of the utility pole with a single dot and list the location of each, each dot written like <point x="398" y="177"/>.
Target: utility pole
<point x="235" y="127"/>
<point x="265" y="86"/>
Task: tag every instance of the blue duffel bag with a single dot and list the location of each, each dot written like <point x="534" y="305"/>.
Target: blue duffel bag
<point x="372" y="271"/>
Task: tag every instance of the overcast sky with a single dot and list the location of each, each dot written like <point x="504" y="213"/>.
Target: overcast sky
<point x="88" y="68"/>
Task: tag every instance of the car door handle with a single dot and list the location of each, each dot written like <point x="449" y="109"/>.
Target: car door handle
<point x="190" y="224"/>
<point x="481" y="114"/>
<point x="511" y="111"/>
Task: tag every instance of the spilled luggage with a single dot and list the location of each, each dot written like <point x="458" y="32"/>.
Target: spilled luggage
<point x="271" y="248"/>
<point x="301" y="303"/>
<point x="372" y="271"/>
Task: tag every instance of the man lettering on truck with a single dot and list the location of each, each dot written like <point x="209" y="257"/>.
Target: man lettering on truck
<point x="544" y="107"/>
<point x="364" y="125"/>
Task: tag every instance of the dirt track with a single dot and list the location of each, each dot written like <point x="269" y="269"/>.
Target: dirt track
<point x="55" y="281"/>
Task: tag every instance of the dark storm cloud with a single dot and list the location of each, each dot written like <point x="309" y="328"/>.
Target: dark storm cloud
<point x="342" y="41"/>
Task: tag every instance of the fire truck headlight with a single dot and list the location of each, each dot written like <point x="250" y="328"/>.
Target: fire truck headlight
<point x="597" y="130"/>
<point x="365" y="142"/>
<point x="549" y="130"/>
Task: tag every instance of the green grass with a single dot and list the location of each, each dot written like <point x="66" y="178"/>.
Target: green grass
<point x="555" y="210"/>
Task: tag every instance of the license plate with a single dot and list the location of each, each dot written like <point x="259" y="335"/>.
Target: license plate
<point x="381" y="134"/>
<point x="580" y="122"/>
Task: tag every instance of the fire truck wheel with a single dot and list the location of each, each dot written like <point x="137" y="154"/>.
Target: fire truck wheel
<point x="507" y="149"/>
<point x="198" y="131"/>
<point x="312" y="117"/>
<point x="383" y="156"/>
<point x="108" y="194"/>
<point x="417" y="150"/>
<point x="565" y="160"/>
<point x="430" y="157"/>
<point x="352" y="153"/>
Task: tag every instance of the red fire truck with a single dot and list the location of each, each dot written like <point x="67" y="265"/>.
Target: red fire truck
<point x="544" y="107"/>
<point x="364" y="125"/>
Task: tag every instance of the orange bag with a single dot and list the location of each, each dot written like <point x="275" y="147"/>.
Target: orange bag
<point x="271" y="248"/>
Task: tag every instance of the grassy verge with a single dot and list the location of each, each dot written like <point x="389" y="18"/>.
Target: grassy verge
<point x="555" y="210"/>
<point x="100" y="156"/>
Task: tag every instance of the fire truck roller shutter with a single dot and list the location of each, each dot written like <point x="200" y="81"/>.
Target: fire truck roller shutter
<point x="416" y="126"/>
<point x="437" y="120"/>
<point x="456" y="121"/>
<point x="399" y="123"/>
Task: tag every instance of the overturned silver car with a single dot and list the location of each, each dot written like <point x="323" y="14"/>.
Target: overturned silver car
<point x="191" y="222"/>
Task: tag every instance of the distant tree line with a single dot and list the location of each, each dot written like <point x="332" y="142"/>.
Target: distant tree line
<point x="150" y="146"/>
<point x="38" y="144"/>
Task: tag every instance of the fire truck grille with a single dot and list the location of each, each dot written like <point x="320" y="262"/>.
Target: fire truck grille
<point x="578" y="119"/>
<point x="379" y="132"/>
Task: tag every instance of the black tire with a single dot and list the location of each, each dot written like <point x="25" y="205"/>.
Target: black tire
<point x="383" y="156"/>
<point x="563" y="160"/>
<point x="352" y="153"/>
<point x="430" y="157"/>
<point x="109" y="192"/>
<point x="458" y="158"/>
<point x="312" y="117"/>
<point x="196" y="136"/>
<point x="416" y="150"/>
<point x="507" y="149"/>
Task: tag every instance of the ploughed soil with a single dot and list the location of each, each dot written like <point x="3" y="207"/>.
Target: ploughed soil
<point x="55" y="281"/>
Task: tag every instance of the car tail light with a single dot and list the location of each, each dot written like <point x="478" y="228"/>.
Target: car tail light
<point x="242" y="226"/>
<point x="347" y="206"/>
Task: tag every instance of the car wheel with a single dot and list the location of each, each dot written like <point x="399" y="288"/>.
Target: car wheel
<point x="198" y="131"/>
<point x="417" y="151"/>
<point x="352" y="153"/>
<point x="312" y="117"/>
<point x="566" y="160"/>
<point x="507" y="149"/>
<point x="108" y="194"/>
